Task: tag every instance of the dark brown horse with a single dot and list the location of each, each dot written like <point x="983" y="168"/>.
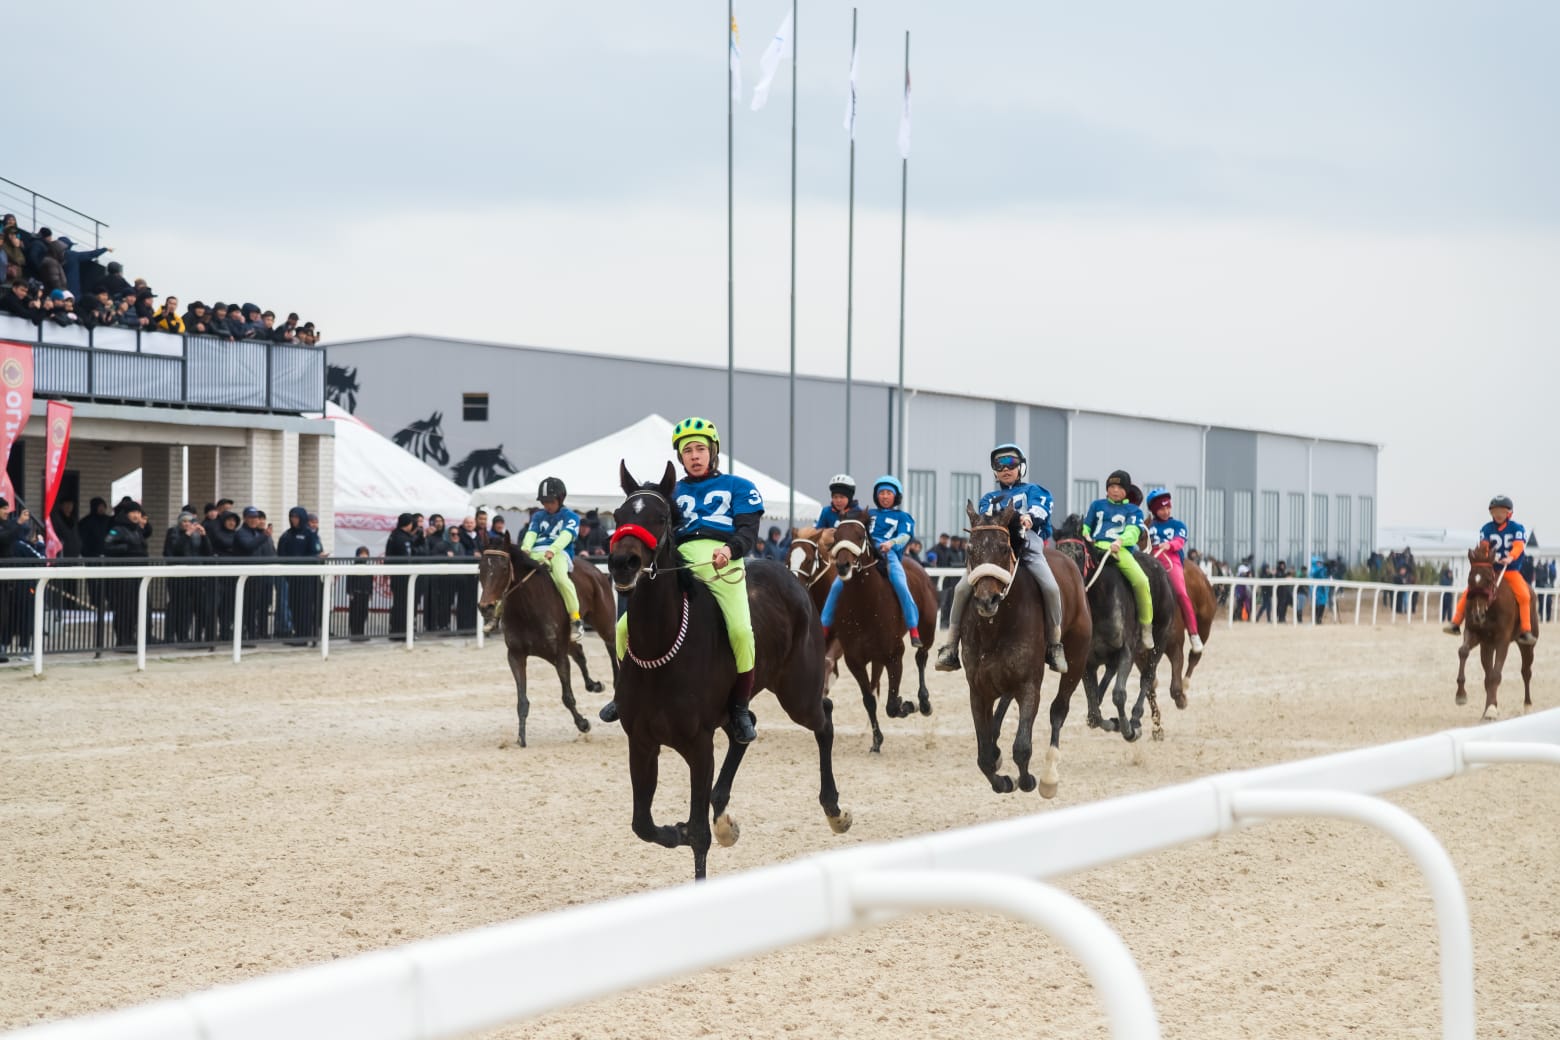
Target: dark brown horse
<point x="1491" y="623"/>
<point x="811" y="559"/>
<point x="535" y="623"/>
<point x="1182" y="661"/>
<point x="871" y="627"/>
<point x="1004" y="638"/>
<point x="674" y="685"/>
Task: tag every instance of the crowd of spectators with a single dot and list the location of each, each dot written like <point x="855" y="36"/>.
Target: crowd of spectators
<point x="47" y="279"/>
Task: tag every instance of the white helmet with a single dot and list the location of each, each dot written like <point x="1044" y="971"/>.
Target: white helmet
<point x="842" y="484"/>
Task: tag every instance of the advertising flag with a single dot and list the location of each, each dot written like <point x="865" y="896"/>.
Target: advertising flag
<point x="57" y="424"/>
<point x="769" y="64"/>
<point x="16" y="394"/>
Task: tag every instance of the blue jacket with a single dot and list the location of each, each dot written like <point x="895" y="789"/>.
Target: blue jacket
<point x="720" y="506"/>
<point x="830" y="516"/>
<point x="894" y="526"/>
<point x="1162" y="531"/>
<point x="549" y="527"/>
<point x="1106" y="520"/>
<point x="1026" y="498"/>
<point x="1503" y="539"/>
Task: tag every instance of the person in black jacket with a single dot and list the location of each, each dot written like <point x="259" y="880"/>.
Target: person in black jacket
<point x="125" y="541"/>
<point x="360" y="591"/>
<point x="253" y="543"/>
<point x="185" y="542"/>
<point x="301" y="596"/>
<point x="400" y="547"/>
<point x="223" y="536"/>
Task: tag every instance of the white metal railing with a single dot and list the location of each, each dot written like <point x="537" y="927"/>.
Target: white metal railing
<point x="143" y="575"/>
<point x="458" y="984"/>
<point x="1544" y="600"/>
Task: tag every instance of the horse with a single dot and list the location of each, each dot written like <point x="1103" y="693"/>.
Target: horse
<point x="811" y="559"/>
<point x="424" y="438"/>
<point x="535" y="623"/>
<point x="481" y="468"/>
<point x="679" y="697"/>
<point x="1005" y="640"/>
<point x="341" y="386"/>
<point x="1116" y="645"/>
<point x="1205" y="607"/>
<point x="870" y="626"/>
<point x="1491" y="622"/>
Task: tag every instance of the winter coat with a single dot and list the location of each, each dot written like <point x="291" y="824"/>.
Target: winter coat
<point x="253" y="542"/>
<point x="300" y="542"/>
<point x="51" y="269"/>
<point x="72" y="263"/>
<point x="223" y="541"/>
<point x="124" y="540"/>
<point x="93" y="530"/>
<point x="66" y="531"/>
<point x="399" y="546"/>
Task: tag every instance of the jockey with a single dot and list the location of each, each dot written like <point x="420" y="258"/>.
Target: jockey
<point x="1168" y="536"/>
<point x="1033" y="505"/>
<point x="890" y="529"/>
<point x="1113" y="523"/>
<point x="720" y="518"/>
<point x="842" y="501"/>
<point x="551" y="539"/>
<point x="1508" y="541"/>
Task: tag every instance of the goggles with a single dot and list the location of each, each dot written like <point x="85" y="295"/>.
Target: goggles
<point x="1006" y="462"/>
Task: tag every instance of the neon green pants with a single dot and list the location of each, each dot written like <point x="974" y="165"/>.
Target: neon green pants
<point x="729" y="585"/>
<point x="1130" y="570"/>
<point x="558" y="567"/>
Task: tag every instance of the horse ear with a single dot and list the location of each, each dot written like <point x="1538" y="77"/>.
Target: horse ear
<point x="626" y="479"/>
<point x="969" y="510"/>
<point x="1470" y="555"/>
<point x="668" y="481"/>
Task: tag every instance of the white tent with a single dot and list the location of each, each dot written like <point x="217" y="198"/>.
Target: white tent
<point x="591" y="474"/>
<point x="376" y="481"/>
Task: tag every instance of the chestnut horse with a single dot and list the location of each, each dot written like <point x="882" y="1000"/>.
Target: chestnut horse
<point x="870" y="626"/>
<point x="677" y="675"/>
<point x="1004" y="638"/>
<point x="1492" y="624"/>
<point x="535" y="623"/>
<point x="811" y="559"/>
<point x="1204" y="606"/>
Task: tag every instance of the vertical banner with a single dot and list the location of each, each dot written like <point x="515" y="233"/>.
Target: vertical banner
<point x="16" y="394"/>
<point x="57" y="423"/>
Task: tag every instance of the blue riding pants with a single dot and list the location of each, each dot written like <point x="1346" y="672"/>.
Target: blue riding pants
<point x="896" y="577"/>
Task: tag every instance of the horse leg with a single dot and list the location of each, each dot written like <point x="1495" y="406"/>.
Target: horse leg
<point x="643" y="770"/>
<point x="701" y="769"/>
<point x="1050" y="773"/>
<point x="1526" y="653"/>
<point x="868" y="701"/>
<point x="1462" y="666"/>
<point x="1093" y="695"/>
<point x="1179" y="678"/>
<point x="1118" y="696"/>
<point x="522" y="702"/>
<point x="1494" y="659"/>
<point x="577" y="651"/>
<point x="1023" y="740"/>
<point x="986" y="754"/>
<point x="895" y="665"/>
<point x="828" y="792"/>
<point x="565" y="680"/>
<point x="923" y="696"/>
<point x="1149" y="677"/>
<point x="726" y="830"/>
<point x="831" y="664"/>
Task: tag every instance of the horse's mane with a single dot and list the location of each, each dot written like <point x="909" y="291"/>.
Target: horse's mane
<point x="1072" y="527"/>
<point x="1482" y="554"/>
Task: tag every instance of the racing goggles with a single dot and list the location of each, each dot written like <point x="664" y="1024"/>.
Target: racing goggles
<point x="1006" y="462"/>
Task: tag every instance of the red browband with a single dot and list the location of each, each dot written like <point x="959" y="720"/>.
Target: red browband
<point x="638" y="532"/>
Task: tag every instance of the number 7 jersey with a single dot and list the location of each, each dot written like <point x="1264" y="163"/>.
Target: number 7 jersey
<point x="710" y="506"/>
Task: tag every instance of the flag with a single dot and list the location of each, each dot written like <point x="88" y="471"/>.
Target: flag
<point x="904" y="121"/>
<point x="769" y="64"/>
<point x="16" y="394"/>
<point x="57" y="424"/>
<point x="850" y="104"/>
<point x="736" y="63"/>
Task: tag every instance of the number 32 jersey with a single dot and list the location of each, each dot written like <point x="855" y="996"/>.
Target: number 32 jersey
<point x="710" y="507"/>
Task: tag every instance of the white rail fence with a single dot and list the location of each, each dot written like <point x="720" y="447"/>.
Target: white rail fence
<point x="458" y="984"/>
<point x="1424" y="600"/>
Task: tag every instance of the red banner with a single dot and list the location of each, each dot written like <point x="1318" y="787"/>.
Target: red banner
<point x="57" y="424"/>
<point x="16" y="394"/>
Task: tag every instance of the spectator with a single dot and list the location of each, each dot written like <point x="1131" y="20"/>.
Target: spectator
<point x="37" y="248"/>
<point x="145" y="308"/>
<point x="594" y="540"/>
<point x="439" y="594"/>
<point x="253" y="542"/>
<point x="124" y="540"/>
<point x="267" y="330"/>
<point x="1286" y="593"/>
<point x="913" y="549"/>
<point x="15" y="252"/>
<point x="220" y="324"/>
<point x="114" y="281"/>
<point x="301" y="597"/>
<point x="773" y="548"/>
<point x="224" y="545"/>
<point x="1265" y="595"/>
<point x="1243" y="609"/>
<point x="72" y="262"/>
<point x="290" y="325"/>
<point x="96" y="308"/>
<point x="196" y="321"/>
<point x="1445" y="579"/>
<point x="185" y="541"/>
<point x="94" y="528"/>
<point x="17" y="302"/>
<point x="62" y="309"/>
<point x="467" y="532"/>
<point x="480" y="529"/>
<point x="167" y="319"/>
<point x="496" y="529"/>
<point x="51" y="267"/>
<point x="308" y="335"/>
<point x="461" y="590"/>
<point x="400" y="547"/>
<point x="64" y="520"/>
<point x="360" y="590"/>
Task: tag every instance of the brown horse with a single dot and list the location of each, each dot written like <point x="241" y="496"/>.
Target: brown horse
<point x="535" y="623"/>
<point x="811" y="559"/>
<point x="870" y="626"/>
<point x="1492" y="624"/>
<point x="1205" y="606"/>
<point x="676" y="679"/>
<point x="1005" y="659"/>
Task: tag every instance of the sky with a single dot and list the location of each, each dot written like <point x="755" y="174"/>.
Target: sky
<point x="1326" y="218"/>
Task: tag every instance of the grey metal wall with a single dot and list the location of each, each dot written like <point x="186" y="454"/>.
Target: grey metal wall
<point x="1232" y="468"/>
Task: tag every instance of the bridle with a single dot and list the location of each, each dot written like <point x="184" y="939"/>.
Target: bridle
<point x="859" y="552"/>
<point x="509" y="564"/>
<point x="822" y="566"/>
<point x="651" y="572"/>
<point x="992" y="570"/>
<point x="1088" y="557"/>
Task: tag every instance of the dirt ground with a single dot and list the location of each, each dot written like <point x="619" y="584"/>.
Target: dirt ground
<point x="204" y="822"/>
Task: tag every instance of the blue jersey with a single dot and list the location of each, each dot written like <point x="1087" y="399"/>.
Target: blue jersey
<point x="1107" y="521"/>
<point x="709" y="507"/>
<point x="831" y="516"/>
<point x="894" y="526"/>
<point x="1166" y="532"/>
<point x="549" y="527"/>
<point x="1024" y="498"/>
<point x="1503" y="538"/>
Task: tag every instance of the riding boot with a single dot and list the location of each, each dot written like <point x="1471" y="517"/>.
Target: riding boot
<point x="1055" y="656"/>
<point x="576" y="631"/>
<point x="608" y="712"/>
<point x="1196" y="643"/>
<point x="826" y="636"/>
<point x="1147" y="631"/>
<point x="1451" y="628"/>
<point x="915" y="637"/>
<point x="948" y="655"/>
<point x="1527" y="639"/>
<point x="743" y="728"/>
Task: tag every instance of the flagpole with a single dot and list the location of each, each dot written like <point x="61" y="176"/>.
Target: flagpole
<point x="904" y="187"/>
<point x="791" y="477"/>
<point x="850" y="240"/>
<point x="731" y="292"/>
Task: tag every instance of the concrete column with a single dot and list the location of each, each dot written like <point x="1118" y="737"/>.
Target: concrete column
<point x="161" y="472"/>
<point x="316" y="482"/>
<point x="204" y="483"/>
<point x="235" y="471"/>
<point x="289" y="490"/>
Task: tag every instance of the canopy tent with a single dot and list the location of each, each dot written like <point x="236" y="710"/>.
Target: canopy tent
<point x="591" y="474"/>
<point x="376" y="481"/>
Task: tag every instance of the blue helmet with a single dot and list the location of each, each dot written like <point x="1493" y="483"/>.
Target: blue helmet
<point x="1014" y="450"/>
<point x="892" y="483"/>
<point x="1154" y="495"/>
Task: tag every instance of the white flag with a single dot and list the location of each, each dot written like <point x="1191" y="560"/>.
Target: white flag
<point x="904" y="121"/>
<point x="850" y="104"/>
<point x="736" y="63"/>
<point x="769" y="64"/>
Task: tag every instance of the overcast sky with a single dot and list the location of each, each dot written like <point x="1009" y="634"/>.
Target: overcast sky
<point x="1329" y="218"/>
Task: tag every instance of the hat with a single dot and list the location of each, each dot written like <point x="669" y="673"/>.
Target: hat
<point x="115" y="267"/>
<point x="130" y="505"/>
<point x="186" y="517"/>
<point x="1119" y="476"/>
<point x="196" y="304"/>
<point x="248" y="307"/>
<point x="314" y="518"/>
<point x="68" y="243"/>
<point x="57" y="294"/>
<point x="250" y="511"/>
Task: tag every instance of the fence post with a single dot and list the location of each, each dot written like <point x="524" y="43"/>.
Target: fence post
<point x="238" y="618"/>
<point x="142" y="621"/>
<point x="327" y="600"/>
<point x="411" y="607"/>
<point x="38" y="627"/>
<point x="478" y="580"/>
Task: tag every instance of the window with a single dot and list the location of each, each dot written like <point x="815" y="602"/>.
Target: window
<point x="1269" y="527"/>
<point x="966" y="488"/>
<point x="1345" y="543"/>
<point x="1318" y="526"/>
<point x="1296" y="529"/>
<point x="1084" y="492"/>
<point x="1185" y="499"/>
<point x="1213" y="525"/>
<point x="922" y="504"/>
<point x="1367" y="526"/>
<point x="474" y="407"/>
<point x="1242" y="530"/>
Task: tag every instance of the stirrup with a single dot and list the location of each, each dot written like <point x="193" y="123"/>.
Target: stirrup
<point x="743" y="729"/>
<point x="948" y="658"/>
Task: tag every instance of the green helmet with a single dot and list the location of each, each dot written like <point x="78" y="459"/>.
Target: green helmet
<point x="695" y="427"/>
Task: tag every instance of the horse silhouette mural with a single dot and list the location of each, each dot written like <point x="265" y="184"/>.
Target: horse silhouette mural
<point x="341" y="386"/>
<point x="424" y="438"/>
<point x="482" y="467"/>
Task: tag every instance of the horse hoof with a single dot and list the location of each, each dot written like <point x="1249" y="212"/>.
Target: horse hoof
<point x="1462" y="698"/>
<point x="1095" y="722"/>
<point x="1026" y="783"/>
<point x="726" y="830"/>
<point x="1048" y="790"/>
<point x="1158" y="734"/>
<point x="1002" y="784"/>
<point x="1491" y="713"/>
<point x="1179" y="699"/>
<point x="1111" y="725"/>
<point x="594" y="687"/>
<point x="877" y="746"/>
<point x="582" y="724"/>
<point x="1132" y="733"/>
<point x="841" y="823"/>
<point x="926" y="706"/>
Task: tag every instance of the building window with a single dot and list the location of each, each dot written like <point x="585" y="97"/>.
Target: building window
<point x="1185" y="503"/>
<point x="1084" y="492"/>
<point x="1296" y="529"/>
<point x="1213" y="525"/>
<point x="1243" y="528"/>
<point x="922" y="495"/>
<point x="966" y="488"/>
<point x="1367" y="526"/>
<point x="1318" y="526"/>
<point x="473" y="407"/>
<point x="1345" y="541"/>
<point x="1269" y="527"/>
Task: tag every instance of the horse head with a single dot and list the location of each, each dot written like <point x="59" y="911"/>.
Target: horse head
<point x="811" y="553"/>
<point x="497" y="568"/>
<point x="1482" y="582"/>
<point x="1069" y="540"/>
<point x="645" y="524"/>
<point x="852" y="546"/>
<point x="990" y="557"/>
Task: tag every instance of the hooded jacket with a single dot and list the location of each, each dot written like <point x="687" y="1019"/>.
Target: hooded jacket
<point x="51" y="269"/>
<point x="124" y="539"/>
<point x="223" y="541"/>
<point x="299" y="541"/>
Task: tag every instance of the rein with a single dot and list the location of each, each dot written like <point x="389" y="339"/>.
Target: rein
<point x="1101" y="567"/>
<point x="682" y="634"/>
<point x="510" y="563"/>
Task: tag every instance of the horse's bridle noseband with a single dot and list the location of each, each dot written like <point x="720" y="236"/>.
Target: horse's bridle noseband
<point x="823" y="568"/>
<point x="510" y="563"/>
<point x="861" y="552"/>
<point x="992" y="570"/>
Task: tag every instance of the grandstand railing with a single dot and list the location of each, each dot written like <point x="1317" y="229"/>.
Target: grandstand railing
<point x="460" y="984"/>
<point x="46" y="212"/>
<point x="119" y="364"/>
<point x="107" y="607"/>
